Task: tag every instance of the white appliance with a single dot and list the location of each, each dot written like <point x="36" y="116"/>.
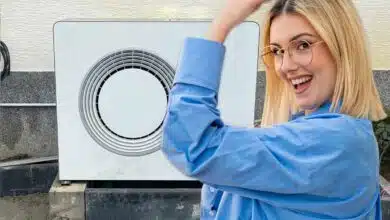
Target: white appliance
<point x="112" y="84"/>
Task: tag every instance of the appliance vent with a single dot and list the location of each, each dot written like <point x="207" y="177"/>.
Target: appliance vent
<point x="91" y="88"/>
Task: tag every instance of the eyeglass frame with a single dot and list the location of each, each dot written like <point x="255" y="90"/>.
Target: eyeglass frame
<point x="289" y="53"/>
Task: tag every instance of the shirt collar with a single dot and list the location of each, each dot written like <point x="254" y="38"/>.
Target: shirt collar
<point x="324" y="108"/>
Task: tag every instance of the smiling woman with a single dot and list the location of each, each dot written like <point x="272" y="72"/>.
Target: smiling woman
<point x="332" y="35"/>
<point x="315" y="155"/>
<point x="307" y="66"/>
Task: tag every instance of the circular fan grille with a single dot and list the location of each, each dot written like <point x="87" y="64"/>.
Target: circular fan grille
<point x="89" y="100"/>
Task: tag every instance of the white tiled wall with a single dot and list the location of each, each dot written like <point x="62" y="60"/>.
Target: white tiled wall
<point x="26" y="25"/>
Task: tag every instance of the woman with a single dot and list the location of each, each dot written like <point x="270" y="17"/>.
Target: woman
<point x="315" y="155"/>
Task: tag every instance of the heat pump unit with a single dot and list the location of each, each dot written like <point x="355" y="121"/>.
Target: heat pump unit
<point x="112" y="86"/>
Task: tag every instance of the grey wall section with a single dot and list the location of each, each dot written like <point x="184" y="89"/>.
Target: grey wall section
<point x="32" y="131"/>
<point x="28" y="131"/>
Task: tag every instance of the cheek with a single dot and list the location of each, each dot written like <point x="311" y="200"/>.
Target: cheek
<point x="281" y="76"/>
<point x="324" y="66"/>
<point x="325" y="82"/>
<point x="329" y="74"/>
<point x="326" y="77"/>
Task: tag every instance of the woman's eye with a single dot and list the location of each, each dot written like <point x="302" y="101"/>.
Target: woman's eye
<point x="276" y="51"/>
<point x="303" y="45"/>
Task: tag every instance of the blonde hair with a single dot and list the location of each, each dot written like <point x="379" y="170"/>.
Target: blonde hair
<point x="338" y="24"/>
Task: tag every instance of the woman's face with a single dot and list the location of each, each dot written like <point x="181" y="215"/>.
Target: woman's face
<point x="310" y="69"/>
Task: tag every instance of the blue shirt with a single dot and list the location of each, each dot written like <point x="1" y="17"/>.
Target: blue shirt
<point x="318" y="166"/>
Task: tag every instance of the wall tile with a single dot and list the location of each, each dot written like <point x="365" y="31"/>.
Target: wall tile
<point x="28" y="87"/>
<point x="382" y="79"/>
<point x="28" y="132"/>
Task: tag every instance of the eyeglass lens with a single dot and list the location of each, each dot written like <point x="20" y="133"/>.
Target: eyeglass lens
<point x="300" y="51"/>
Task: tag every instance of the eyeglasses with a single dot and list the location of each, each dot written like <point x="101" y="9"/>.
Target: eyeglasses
<point x="300" y="51"/>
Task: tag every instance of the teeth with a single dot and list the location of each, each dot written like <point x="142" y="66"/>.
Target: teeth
<point x="300" y="80"/>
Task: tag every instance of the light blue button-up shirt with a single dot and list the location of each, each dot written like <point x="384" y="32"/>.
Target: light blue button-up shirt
<point x="318" y="166"/>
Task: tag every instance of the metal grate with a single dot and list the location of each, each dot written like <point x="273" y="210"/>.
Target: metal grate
<point x="89" y="100"/>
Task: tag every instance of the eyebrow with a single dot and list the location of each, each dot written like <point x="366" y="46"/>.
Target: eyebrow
<point x="295" y="37"/>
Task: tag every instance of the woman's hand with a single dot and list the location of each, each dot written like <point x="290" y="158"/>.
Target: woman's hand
<point x="234" y="12"/>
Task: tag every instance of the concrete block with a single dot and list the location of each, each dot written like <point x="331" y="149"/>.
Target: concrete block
<point x="24" y="179"/>
<point x="143" y="201"/>
<point x="67" y="201"/>
<point x="26" y="207"/>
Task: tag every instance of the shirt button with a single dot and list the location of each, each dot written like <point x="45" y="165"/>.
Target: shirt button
<point x="212" y="190"/>
<point x="212" y="212"/>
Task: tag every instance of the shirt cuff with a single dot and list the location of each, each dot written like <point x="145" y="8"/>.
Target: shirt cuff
<point x="201" y="63"/>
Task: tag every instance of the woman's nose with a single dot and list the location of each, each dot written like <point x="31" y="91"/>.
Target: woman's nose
<point x="287" y="64"/>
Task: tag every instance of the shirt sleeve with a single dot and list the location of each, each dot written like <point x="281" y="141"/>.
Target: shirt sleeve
<point x="328" y="159"/>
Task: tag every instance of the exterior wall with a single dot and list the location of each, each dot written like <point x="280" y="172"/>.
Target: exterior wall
<point x="26" y="26"/>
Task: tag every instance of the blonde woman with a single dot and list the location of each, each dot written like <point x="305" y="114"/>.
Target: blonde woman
<point x="315" y="154"/>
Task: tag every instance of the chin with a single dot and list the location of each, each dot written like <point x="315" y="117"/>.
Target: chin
<point x="306" y="105"/>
